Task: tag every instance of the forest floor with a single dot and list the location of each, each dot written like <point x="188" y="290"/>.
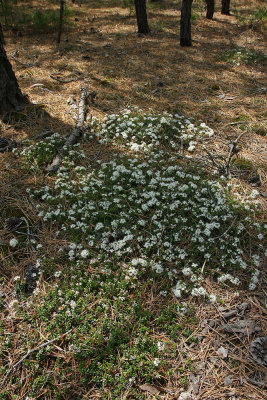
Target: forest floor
<point x="221" y="81"/>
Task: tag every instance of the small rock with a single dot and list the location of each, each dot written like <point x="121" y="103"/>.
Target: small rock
<point x="195" y="383"/>
<point x="222" y="352"/>
<point x="200" y="366"/>
<point x="71" y="100"/>
<point x="255" y="180"/>
<point x="212" y="323"/>
<point x="214" y="360"/>
<point x="244" y="327"/>
<point x="73" y="106"/>
<point x="3" y="142"/>
<point x="150" y="388"/>
<point x="186" y="396"/>
<point x="258" y="350"/>
<point x="227" y="381"/>
<point x="13" y="223"/>
<point x="31" y="276"/>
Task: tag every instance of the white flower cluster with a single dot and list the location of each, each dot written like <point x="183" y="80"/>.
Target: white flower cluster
<point x="254" y="280"/>
<point x="138" y="209"/>
<point x="179" y="289"/>
<point x="13" y="242"/>
<point x="228" y="277"/>
<point x="140" y="131"/>
<point x="148" y="211"/>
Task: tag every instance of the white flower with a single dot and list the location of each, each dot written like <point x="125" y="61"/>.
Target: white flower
<point x="13" y="242"/>
<point x="212" y="298"/>
<point x="200" y="291"/>
<point x="57" y="274"/>
<point x="156" y="362"/>
<point x="161" y="345"/>
<point x="132" y="271"/>
<point x="14" y="304"/>
<point x="36" y="291"/>
<point x="187" y="271"/>
<point x="177" y="292"/>
<point x="163" y="293"/>
<point x="99" y="226"/>
<point x="73" y="304"/>
<point x="17" y="278"/>
<point x="84" y="253"/>
<point x="254" y="193"/>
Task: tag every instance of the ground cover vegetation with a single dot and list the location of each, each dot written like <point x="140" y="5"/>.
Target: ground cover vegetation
<point x="118" y="270"/>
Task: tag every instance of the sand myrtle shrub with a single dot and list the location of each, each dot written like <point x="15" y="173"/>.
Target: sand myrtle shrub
<point x="144" y="131"/>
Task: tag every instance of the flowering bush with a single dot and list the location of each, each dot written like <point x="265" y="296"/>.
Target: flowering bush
<point x="241" y="55"/>
<point x="139" y="131"/>
<point x="172" y="221"/>
<point x="138" y="232"/>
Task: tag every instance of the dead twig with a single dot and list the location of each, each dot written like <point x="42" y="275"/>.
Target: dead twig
<point x="66" y="80"/>
<point x="232" y="151"/>
<point x="75" y="135"/>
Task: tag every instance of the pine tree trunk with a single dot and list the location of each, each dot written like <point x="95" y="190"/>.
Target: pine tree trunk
<point x="185" y="23"/>
<point x="2" y="39"/>
<point x="61" y="11"/>
<point x="225" y="7"/>
<point x="140" y="8"/>
<point x="210" y="9"/>
<point x="11" y="98"/>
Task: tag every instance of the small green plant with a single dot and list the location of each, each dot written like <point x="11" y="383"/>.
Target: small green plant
<point x="40" y="154"/>
<point x="243" y="164"/>
<point x="259" y="129"/>
<point x="45" y="21"/>
<point x="260" y="15"/>
<point x="128" y="4"/>
<point x="242" y="55"/>
<point x="195" y="16"/>
<point x="256" y="19"/>
<point x="6" y="10"/>
<point x="158" y="26"/>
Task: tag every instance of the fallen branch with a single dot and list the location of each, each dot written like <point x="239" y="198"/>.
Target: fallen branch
<point x="233" y="149"/>
<point x="66" y="80"/>
<point x="75" y="135"/>
<point x="29" y="353"/>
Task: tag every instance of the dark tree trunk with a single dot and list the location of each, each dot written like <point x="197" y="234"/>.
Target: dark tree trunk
<point x="140" y="8"/>
<point x="2" y="39"/>
<point x="225" y="7"/>
<point x="210" y="9"/>
<point x="185" y="23"/>
<point x="11" y="97"/>
<point x="61" y="11"/>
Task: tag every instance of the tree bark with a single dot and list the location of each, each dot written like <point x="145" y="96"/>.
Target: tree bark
<point x="2" y="38"/>
<point x="225" y="7"/>
<point x="185" y="23"/>
<point x="210" y="9"/>
<point x="61" y="11"/>
<point x="11" y="98"/>
<point x="141" y="15"/>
